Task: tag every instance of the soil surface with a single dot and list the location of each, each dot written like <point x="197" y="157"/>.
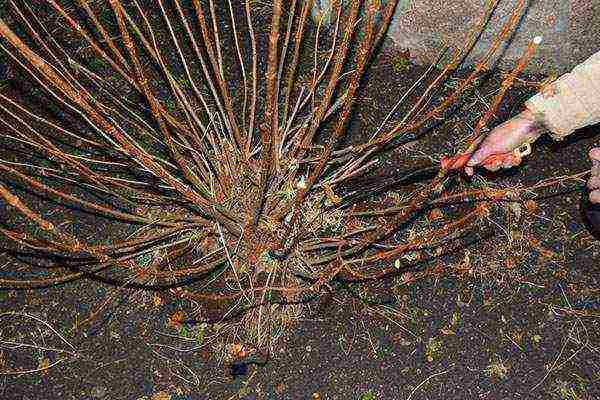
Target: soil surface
<point x="513" y="315"/>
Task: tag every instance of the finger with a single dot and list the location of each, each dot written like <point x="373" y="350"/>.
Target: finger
<point x="595" y="154"/>
<point x="469" y="171"/>
<point x="511" y="161"/>
<point x="595" y="157"/>
<point x="479" y="156"/>
<point x="594" y="182"/>
<point x="495" y="166"/>
<point x="595" y="196"/>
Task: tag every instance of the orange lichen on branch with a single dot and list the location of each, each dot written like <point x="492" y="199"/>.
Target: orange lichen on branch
<point x="23" y="209"/>
<point x="428" y="238"/>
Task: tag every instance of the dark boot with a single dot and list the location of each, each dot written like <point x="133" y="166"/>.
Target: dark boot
<point x="589" y="209"/>
<point x="591" y="214"/>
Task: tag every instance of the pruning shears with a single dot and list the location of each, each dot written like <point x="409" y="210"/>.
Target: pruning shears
<point x="492" y="162"/>
<point x="421" y="174"/>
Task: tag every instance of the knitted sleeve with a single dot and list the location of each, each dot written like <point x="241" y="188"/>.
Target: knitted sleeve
<point x="571" y="102"/>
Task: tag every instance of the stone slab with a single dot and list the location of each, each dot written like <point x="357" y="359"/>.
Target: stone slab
<point x="570" y="30"/>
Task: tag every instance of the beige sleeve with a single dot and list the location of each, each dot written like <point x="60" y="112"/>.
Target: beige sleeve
<point x="571" y="102"/>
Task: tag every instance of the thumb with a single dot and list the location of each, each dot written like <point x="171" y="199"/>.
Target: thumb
<point x="478" y="157"/>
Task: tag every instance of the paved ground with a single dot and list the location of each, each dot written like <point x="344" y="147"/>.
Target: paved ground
<point x="513" y="316"/>
<point x="570" y="28"/>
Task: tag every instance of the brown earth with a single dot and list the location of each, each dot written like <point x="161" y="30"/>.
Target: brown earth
<point x="512" y="315"/>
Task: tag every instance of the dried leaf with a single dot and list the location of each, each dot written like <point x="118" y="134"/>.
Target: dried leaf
<point x="331" y="196"/>
<point x="434" y="214"/>
<point x="412" y="256"/>
<point x="161" y="396"/>
<point x="43" y="364"/>
<point x="407" y="277"/>
<point x="516" y="209"/>
<point x="530" y="206"/>
<point x="176" y="319"/>
<point x="447" y="331"/>
<point x="237" y="350"/>
<point x="518" y="336"/>
<point x="455" y="318"/>
<point x="156" y="300"/>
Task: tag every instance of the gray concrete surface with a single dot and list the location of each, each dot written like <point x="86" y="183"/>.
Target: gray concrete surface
<point x="570" y="28"/>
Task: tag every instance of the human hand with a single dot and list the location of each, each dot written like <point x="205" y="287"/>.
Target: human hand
<point x="506" y="144"/>
<point x="594" y="181"/>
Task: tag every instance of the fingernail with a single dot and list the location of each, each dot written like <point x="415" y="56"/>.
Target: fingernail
<point x="509" y="164"/>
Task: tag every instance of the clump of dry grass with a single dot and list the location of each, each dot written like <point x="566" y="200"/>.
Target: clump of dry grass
<point x="498" y="369"/>
<point x="213" y="134"/>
